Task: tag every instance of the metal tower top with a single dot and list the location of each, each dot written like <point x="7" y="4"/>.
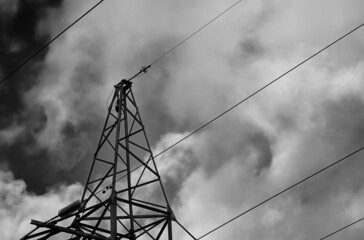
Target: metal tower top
<point x="117" y="202"/>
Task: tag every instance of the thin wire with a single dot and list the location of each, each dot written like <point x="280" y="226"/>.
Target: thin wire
<point x="185" y="229"/>
<point x="46" y="45"/>
<point x="343" y="228"/>
<point x="259" y="90"/>
<point x="198" y="30"/>
<point x="144" y="69"/>
<point x="281" y="192"/>
<point x="107" y="101"/>
<point x="248" y="97"/>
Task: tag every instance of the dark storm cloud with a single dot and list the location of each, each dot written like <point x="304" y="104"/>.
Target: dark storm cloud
<point x="22" y="155"/>
<point x="70" y="154"/>
<point x="50" y="111"/>
<point x="42" y="168"/>
<point x="18" y="40"/>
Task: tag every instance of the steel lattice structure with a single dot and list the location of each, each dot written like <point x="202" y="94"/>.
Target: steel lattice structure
<point x="117" y="202"/>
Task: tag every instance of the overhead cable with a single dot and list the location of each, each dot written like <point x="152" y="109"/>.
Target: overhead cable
<point x="281" y="192"/>
<point x="341" y="229"/>
<point x="197" y="31"/>
<point x="260" y="89"/>
<point x="250" y="96"/>
<point x="47" y="44"/>
<point x="185" y="229"/>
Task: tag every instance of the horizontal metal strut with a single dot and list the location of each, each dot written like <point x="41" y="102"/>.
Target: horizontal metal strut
<point x="67" y="230"/>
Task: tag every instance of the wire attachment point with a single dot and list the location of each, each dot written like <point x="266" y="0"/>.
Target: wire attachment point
<point x="144" y="69"/>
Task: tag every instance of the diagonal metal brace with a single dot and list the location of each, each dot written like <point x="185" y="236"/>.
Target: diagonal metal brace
<point x="66" y="230"/>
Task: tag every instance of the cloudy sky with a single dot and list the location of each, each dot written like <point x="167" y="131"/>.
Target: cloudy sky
<point x="51" y="112"/>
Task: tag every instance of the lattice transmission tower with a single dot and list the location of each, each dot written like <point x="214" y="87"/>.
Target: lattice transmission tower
<point x="118" y="202"/>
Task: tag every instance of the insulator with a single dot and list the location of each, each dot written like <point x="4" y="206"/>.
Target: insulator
<point x="144" y="69"/>
<point x="76" y="205"/>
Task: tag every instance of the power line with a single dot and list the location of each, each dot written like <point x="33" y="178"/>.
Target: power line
<point x="185" y="229"/>
<point x="197" y="31"/>
<point x="242" y="101"/>
<point x="248" y="97"/>
<point x="47" y="44"/>
<point x="260" y="89"/>
<point x="281" y="192"/>
<point x="144" y="69"/>
<point x="343" y="228"/>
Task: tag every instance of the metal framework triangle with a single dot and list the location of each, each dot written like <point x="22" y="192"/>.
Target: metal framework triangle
<point x="123" y="196"/>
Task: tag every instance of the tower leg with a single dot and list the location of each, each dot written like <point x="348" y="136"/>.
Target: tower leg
<point x="113" y="213"/>
<point x="170" y="229"/>
<point x="127" y="156"/>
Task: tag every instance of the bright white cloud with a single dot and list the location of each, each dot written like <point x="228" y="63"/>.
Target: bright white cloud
<point x="17" y="206"/>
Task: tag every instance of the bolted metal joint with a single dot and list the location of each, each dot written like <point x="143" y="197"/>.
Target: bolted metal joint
<point x="172" y="217"/>
<point x="123" y="84"/>
<point x="126" y="84"/>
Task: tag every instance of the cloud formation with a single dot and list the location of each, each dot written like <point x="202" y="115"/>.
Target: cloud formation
<point x="18" y="206"/>
<point x="300" y="124"/>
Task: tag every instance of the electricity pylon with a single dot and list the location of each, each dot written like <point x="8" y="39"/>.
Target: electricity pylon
<point x="123" y="196"/>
